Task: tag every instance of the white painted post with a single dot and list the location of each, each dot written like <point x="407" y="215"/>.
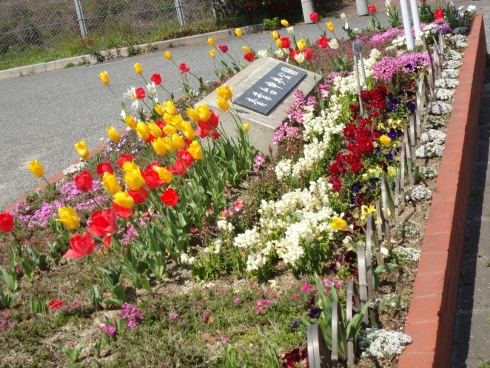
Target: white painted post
<point x="307" y="6"/>
<point x="406" y="23"/>
<point x="362" y="7"/>
<point x="180" y="14"/>
<point x="81" y="20"/>
<point x="415" y="18"/>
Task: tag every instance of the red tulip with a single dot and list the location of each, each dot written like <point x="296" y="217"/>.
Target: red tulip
<point x="439" y="14"/>
<point x="6" y="222"/>
<point x="314" y="17"/>
<point x="223" y="48"/>
<point x="84" y="181"/>
<point x="184" y="68"/>
<point x="103" y="223"/>
<point x="104" y="167"/>
<point x="139" y="195"/>
<point x="249" y="56"/>
<point x="180" y="167"/>
<point x="170" y="197"/>
<point x="121" y="211"/>
<point x="286" y="42"/>
<point x="80" y="246"/>
<point x="151" y="176"/>
<point x="308" y="53"/>
<point x="53" y="304"/>
<point x="124" y="158"/>
<point x="323" y="42"/>
<point x="107" y="242"/>
<point x="186" y="158"/>
<point x="140" y="93"/>
<point x="156" y="78"/>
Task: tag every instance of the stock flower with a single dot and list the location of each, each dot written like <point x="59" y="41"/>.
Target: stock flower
<point x="130" y="122"/>
<point x="156" y="78"/>
<point x="168" y="55"/>
<point x="103" y="223"/>
<point x="163" y="174"/>
<point x="139" y="196"/>
<point x="338" y="223"/>
<point x="36" y="169"/>
<point x="184" y="68"/>
<point x="104" y="167"/>
<point x="53" y="304"/>
<point x="246" y="127"/>
<point x="314" y="17"/>
<point x="330" y="26"/>
<point x="109" y="182"/>
<point x="385" y="140"/>
<point x="212" y="53"/>
<point x="104" y="77"/>
<point x="124" y="199"/>
<point x="113" y="134"/>
<point x="225" y="92"/>
<point x="159" y="146"/>
<point x="169" y="197"/>
<point x="250" y="56"/>
<point x="121" y="211"/>
<point x="83" y="181"/>
<point x="154" y="130"/>
<point x="301" y="44"/>
<point x="439" y="14"/>
<point x="82" y="149"/>
<point x="195" y="150"/>
<point x="140" y="93"/>
<point x="6" y="222"/>
<point x="143" y="131"/>
<point x="245" y="49"/>
<point x="275" y="35"/>
<point x="138" y="68"/>
<point x="211" y="41"/>
<point x="238" y="32"/>
<point x="69" y="217"/>
<point x="170" y="107"/>
<point x="123" y="159"/>
<point x="223" y="48"/>
<point x="134" y="179"/>
<point x="284" y="23"/>
<point x="178" y="140"/>
<point x="222" y="104"/>
<point x="80" y="246"/>
<point x="188" y="130"/>
<point x="323" y="42"/>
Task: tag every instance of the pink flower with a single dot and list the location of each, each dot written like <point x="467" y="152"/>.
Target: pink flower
<point x="224" y="339"/>
<point x="238" y="205"/>
<point x="236" y="300"/>
<point x="174" y="316"/>
<point x="306" y="287"/>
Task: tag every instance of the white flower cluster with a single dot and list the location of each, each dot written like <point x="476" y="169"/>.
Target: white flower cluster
<point x="418" y="193"/>
<point x="433" y="135"/>
<point x="185" y="259"/>
<point x="459" y="40"/>
<point x="401" y="41"/>
<point x="428" y="172"/>
<point x="390" y="301"/>
<point x="324" y="124"/>
<point x="454" y="55"/>
<point x="410" y="254"/>
<point x="430" y="149"/>
<point x="434" y="121"/>
<point x="382" y="343"/>
<point x="439" y="108"/>
<point x="450" y="73"/>
<point x="75" y="168"/>
<point x="283" y="169"/>
<point x="313" y="152"/>
<point x="444" y="94"/>
<point x="225" y="225"/>
<point x="447" y="82"/>
<point x="452" y="64"/>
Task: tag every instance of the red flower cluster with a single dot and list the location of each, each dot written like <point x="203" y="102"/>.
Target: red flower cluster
<point x="295" y="356"/>
<point x="439" y="14"/>
<point x="208" y="128"/>
<point x="374" y="100"/>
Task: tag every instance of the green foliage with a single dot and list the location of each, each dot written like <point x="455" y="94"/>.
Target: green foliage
<point x="270" y="24"/>
<point x="133" y="50"/>
<point x="72" y="353"/>
<point x="38" y="306"/>
<point x="6" y="300"/>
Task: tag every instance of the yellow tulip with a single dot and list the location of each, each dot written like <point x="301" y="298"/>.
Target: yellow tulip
<point x="170" y="107"/>
<point x="129" y="166"/>
<point x="238" y="32"/>
<point x="113" y="134"/>
<point x="225" y="92"/>
<point x="177" y="122"/>
<point x="222" y="104"/>
<point x="301" y="44"/>
<point x="159" y="109"/>
<point x="124" y="199"/>
<point x="284" y="23"/>
<point x="245" y="49"/>
<point x="188" y="130"/>
<point x="134" y="180"/>
<point x="69" y="217"/>
<point x="104" y="77"/>
<point x="159" y="147"/>
<point x="168" y="118"/>
<point x="164" y="174"/>
<point x="212" y="53"/>
<point x="178" y="140"/>
<point x="143" y="131"/>
<point x="36" y="169"/>
<point x="246" y="127"/>
<point x="192" y="114"/>
<point x="110" y="183"/>
<point x="168" y="55"/>
<point x="330" y="26"/>
<point x="169" y="144"/>
<point x="82" y="149"/>
<point x="154" y="130"/>
<point x="279" y="43"/>
<point x="204" y="113"/>
<point x="138" y="68"/>
<point x="275" y="35"/>
<point x="195" y="150"/>
<point x="169" y="129"/>
<point x="338" y="223"/>
<point x="385" y="140"/>
<point x="130" y="122"/>
<point x="211" y="42"/>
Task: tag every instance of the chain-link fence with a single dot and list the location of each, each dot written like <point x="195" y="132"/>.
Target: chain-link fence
<point x="44" y="23"/>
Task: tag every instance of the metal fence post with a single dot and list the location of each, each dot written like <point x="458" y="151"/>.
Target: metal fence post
<point x="180" y="15"/>
<point x="81" y="20"/>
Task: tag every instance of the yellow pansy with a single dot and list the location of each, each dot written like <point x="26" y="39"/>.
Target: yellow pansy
<point x="367" y="210"/>
<point x="385" y="140"/>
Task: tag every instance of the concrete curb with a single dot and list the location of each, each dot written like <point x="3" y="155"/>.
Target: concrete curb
<point x="123" y="52"/>
<point x="432" y="313"/>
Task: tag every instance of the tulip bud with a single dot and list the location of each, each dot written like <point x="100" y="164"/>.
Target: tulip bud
<point x="36" y="169"/>
<point x="211" y="42"/>
<point x="124" y="199"/>
<point x="143" y="131"/>
<point x="104" y="77"/>
<point x="82" y="149"/>
<point x="212" y="53"/>
<point x="238" y="32"/>
<point x="246" y="127"/>
<point x="168" y="55"/>
<point x="130" y="122"/>
<point x="284" y="23"/>
<point x="69" y="217"/>
<point x="138" y="68"/>
<point x="113" y="134"/>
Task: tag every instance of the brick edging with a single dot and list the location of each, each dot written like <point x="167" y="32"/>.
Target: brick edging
<point x="432" y="313"/>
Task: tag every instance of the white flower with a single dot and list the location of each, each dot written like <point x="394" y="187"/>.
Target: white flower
<point x="300" y="58"/>
<point x="342" y="16"/>
<point x="334" y="44"/>
<point x="279" y="53"/>
<point x="262" y="53"/>
<point x="346" y="25"/>
<point x="131" y="94"/>
<point x="152" y="88"/>
<point x="290" y="30"/>
<point x="382" y="343"/>
<point x="388" y="3"/>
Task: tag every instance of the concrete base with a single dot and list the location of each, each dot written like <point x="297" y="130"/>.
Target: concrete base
<point x="262" y="127"/>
